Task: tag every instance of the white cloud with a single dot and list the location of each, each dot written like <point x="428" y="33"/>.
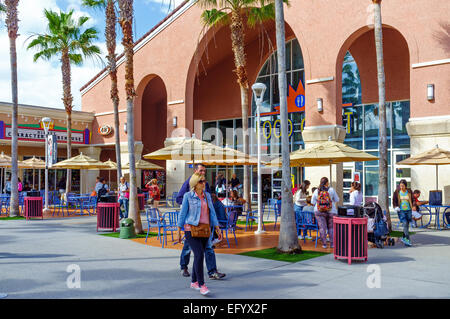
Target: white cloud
<point x="40" y="83"/>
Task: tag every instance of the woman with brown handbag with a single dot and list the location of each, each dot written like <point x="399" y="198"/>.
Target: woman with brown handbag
<point x="197" y="217"/>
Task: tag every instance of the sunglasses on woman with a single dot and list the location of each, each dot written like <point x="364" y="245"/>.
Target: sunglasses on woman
<point x="201" y="181"/>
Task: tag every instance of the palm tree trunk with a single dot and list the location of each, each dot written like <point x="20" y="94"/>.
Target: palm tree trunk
<point x="110" y="35"/>
<point x="12" y="24"/>
<point x="383" y="198"/>
<point x="288" y="240"/>
<point x="238" y="46"/>
<point x="126" y="22"/>
<point x="67" y="100"/>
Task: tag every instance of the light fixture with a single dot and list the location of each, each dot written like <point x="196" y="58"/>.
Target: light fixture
<point x="125" y="127"/>
<point x="319" y="105"/>
<point x="430" y="92"/>
<point x="174" y="121"/>
<point x="258" y="90"/>
<point x="46" y="122"/>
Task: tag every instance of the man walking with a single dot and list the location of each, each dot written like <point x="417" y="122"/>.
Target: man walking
<point x="210" y="256"/>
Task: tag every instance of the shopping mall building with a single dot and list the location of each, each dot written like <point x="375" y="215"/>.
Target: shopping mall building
<point x="185" y="85"/>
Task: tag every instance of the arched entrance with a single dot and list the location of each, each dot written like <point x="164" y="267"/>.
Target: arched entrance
<point x="216" y="96"/>
<point x="153" y="121"/>
<point x="359" y="96"/>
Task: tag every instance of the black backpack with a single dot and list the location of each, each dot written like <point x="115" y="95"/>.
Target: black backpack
<point x="102" y="191"/>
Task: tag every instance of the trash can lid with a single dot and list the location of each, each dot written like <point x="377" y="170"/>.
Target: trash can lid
<point x="127" y="222"/>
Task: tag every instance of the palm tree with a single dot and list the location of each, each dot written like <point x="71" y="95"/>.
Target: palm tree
<point x="234" y="13"/>
<point x="288" y="240"/>
<point x="126" y="23"/>
<point x="110" y="35"/>
<point x="66" y="40"/>
<point x="12" y="23"/>
<point x="383" y="198"/>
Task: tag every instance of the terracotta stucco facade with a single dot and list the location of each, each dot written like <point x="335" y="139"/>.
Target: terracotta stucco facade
<point x="191" y="70"/>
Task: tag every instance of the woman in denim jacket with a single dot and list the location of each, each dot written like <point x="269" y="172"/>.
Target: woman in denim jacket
<point x="197" y="207"/>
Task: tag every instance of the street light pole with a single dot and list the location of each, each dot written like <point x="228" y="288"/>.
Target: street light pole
<point x="46" y="122"/>
<point x="258" y="90"/>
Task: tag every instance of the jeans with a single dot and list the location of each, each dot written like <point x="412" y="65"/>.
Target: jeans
<point x="298" y="211"/>
<point x="198" y="245"/>
<point x="405" y="217"/>
<point x="210" y="257"/>
<point x="124" y="202"/>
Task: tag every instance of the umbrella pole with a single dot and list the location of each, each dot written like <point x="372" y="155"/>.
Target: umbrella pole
<point x="1" y="186"/>
<point x="33" y="178"/>
<point x="437" y="177"/>
<point x="39" y="188"/>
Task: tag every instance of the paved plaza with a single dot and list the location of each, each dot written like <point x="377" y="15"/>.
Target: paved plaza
<point x="37" y="257"/>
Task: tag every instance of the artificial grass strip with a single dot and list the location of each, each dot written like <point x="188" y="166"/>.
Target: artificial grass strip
<point x="12" y="218"/>
<point x="116" y="235"/>
<point x="399" y="234"/>
<point x="242" y="222"/>
<point x="271" y="253"/>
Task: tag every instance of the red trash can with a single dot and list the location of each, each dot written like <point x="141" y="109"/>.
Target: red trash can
<point x="141" y="201"/>
<point x="33" y="207"/>
<point x="108" y="216"/>
<point x="350" y="238"/>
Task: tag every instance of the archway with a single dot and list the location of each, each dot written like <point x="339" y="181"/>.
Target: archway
<point x="358" y="91"/>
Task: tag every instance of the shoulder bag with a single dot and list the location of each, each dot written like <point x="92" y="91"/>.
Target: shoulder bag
<point x="202" y="230"/>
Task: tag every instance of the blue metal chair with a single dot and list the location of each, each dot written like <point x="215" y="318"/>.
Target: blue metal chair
<point x="271" y="203"/>
<point x="91" y="204"/>
<point x="277" y="212"/>
<point x="252" y="216"/>
<point x="4" y="203"/>
<point x="307" y="221"/>
<point x="153" y="220"/>
<point x="169" y="223"/>
<point x="229" y="224"/>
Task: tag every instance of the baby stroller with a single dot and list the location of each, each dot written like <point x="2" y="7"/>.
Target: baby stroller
<point x="380" y="227"/>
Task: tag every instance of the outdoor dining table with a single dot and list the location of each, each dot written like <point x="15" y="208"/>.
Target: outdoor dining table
<point x="437" y="211"/>
<point x="79" y="201"/>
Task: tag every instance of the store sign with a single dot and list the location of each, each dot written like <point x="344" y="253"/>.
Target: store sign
<point x="295" y="101"/>
<point x="38" y="135"/>
<point x="105" y="130"/>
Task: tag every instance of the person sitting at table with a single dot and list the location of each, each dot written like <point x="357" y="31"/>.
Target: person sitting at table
<point x="416" y="215"/>
<point x="220" y="210"/>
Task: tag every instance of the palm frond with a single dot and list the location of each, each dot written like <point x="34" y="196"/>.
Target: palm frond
<point x="215" y="17"/>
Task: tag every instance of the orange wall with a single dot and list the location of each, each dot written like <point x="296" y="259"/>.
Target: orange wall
<point x="326" y="29"/>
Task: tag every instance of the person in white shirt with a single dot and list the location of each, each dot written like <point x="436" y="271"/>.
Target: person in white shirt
<point x="325" y="200"/>
<point x="356" y="197"/>
<point x="301" y="194"/>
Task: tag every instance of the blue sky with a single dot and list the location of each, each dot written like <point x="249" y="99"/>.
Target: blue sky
<point x="40" y="83"/>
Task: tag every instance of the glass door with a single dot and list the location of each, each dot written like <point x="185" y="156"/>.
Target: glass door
<point x="348" y="174"/>
<point x="400" y="171"/>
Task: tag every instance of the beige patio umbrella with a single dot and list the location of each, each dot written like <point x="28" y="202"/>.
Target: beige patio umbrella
<point x="195" y="150"/>
<point x="326" y="153"/>
<point x="32" y="163"/>
<point x="436" y="156"/>
<point x="81" y="162"/>
<point x="141" y="164"/>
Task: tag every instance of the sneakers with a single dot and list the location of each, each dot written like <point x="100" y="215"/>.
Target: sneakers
<point x="324" y="246"/>
<point x="194" y="285"/>
<point x="204" y="290"/>
<point x="185" y="272"/>
<point x="406" y="241"/>
<point x="216" y="276"/>
<point x="308" y="237"/>
<point x="300" y="237"/>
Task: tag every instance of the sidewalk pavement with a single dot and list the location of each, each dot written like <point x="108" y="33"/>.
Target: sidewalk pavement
<point x="35" y="257"/>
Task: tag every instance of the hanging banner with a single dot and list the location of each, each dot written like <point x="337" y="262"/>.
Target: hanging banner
<point x="52" y="149"/>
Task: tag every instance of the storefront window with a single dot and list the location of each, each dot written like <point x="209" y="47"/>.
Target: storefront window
<point x="400" y="118"/>
<point x="351" y="83"/>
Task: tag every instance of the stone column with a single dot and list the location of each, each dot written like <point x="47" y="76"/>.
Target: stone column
<point x="87" y="183"/>
<point x="124" y="158"/>
<point x="314" y="135"/>
<point x="426" y="133"/>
